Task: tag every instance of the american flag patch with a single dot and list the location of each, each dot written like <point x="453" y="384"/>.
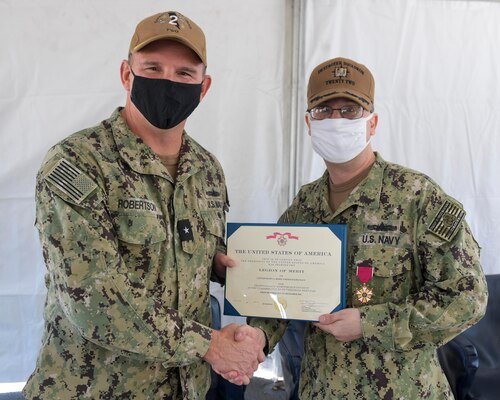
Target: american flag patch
<point x="447" y="220"/>
<point x="70" y="180"/>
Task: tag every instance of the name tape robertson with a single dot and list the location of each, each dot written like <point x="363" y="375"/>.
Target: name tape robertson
<point x="137" y="204"/>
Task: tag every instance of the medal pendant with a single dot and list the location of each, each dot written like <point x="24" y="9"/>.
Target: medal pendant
<point x="364" y="294"/>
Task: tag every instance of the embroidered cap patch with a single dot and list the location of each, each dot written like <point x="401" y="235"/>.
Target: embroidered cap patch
<point x="70" y="180"/>
<point x="447" y="220"/>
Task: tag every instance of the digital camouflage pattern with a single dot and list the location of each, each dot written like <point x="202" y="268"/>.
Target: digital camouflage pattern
<point x="128" y="308"/>
<point x="427" y="286"/>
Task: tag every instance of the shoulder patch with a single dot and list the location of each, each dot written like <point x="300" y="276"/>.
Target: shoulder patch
<point x="70" y="180"/>
<point x="447" y="220"/>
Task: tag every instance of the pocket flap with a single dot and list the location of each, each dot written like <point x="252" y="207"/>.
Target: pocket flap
<point x="140" y="228"/>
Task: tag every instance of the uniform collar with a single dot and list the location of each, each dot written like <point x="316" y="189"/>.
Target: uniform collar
<point x="366" y="194"/>
<point x="143" y="160"/>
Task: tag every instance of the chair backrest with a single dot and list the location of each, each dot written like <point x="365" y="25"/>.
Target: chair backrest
<point x="291" y="347"/>
<point x="486" y="333"/>
<point x="471" y="361"/>
<point x="293" y="338"/>
<point x="459" y="361"/>
<point x="485" y="336"/>
<point x="216" y="314"/>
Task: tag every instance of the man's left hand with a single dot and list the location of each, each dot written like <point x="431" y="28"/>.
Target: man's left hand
<point x="221" y="262"/>
<point x="345" y="324"/>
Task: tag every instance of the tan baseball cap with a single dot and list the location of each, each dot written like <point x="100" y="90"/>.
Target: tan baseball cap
<point x="169" y="25"/>
<point x="341" y="77"/>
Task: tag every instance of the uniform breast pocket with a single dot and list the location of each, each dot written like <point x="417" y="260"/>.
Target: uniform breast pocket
<point x="392" y="273"/>
<point x="141" y="241"/>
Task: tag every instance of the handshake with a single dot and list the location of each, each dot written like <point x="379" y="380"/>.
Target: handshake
<point x="235" y="352"/>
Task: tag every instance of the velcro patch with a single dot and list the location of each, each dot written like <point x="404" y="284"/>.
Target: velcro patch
<point x="447" y="220"/>
<point x="70" y="180"/>
<point x="185" y="230"/>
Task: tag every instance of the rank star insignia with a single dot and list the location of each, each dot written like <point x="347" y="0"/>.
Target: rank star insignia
<point x="364" y="294"/>
<point x="185" y="230"/>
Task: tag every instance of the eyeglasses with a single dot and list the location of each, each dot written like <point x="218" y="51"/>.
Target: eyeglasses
<point x="350" y="112"/>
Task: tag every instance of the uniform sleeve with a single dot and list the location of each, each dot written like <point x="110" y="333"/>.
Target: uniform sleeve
<point x="88" y="277"/>
<point x="450" y="291"/>
<point x="221" y="244"/>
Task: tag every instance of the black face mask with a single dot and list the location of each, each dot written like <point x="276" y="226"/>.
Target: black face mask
<point x="164" y="103"/>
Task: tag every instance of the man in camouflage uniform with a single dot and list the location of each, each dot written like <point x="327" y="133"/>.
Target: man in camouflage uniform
<point x="414" y="280"/>
<point x="131" y="217"/>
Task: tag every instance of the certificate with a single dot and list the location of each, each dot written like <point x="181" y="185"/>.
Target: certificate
<point x="285" y="271"/>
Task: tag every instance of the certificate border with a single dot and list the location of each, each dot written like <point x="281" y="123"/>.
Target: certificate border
<point x="339" y="230"/>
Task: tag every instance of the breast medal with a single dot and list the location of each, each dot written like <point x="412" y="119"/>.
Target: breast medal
<point x="365" y="275"/>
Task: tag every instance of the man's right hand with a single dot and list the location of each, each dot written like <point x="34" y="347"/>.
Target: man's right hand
<point x="233" y="357"/>
<point x="242" y="332"/>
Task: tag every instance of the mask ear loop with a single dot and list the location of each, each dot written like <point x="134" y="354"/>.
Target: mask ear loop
<point x="368" y="118"/>
<point x="308" y="119"/>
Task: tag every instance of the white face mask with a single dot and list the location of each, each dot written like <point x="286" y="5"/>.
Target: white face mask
<point x="339" y="140"/>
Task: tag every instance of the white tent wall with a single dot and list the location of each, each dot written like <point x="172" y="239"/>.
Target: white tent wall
<point x="60" y="73"/>
<point x="435" y="65"/>
<point x="437" y="92"/>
